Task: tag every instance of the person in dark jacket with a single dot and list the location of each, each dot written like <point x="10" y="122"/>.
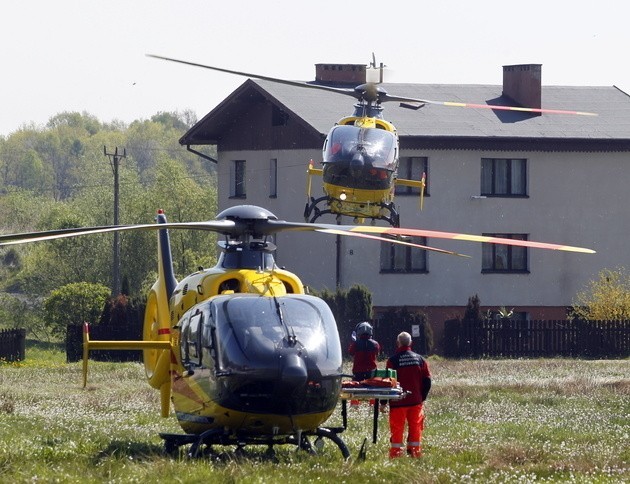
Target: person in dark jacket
<point x="364" y="350"/>
<point x="414" y="377"/>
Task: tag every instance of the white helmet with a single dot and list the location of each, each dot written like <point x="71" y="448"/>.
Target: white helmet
<point x="364" y="328"/>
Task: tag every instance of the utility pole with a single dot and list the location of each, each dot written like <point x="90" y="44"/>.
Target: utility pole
<point x="114" y="161"/>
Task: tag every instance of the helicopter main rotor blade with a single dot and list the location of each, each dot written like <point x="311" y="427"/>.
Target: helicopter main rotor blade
<point x="346" y="92"/>
<point x="383" y="239"/>
<point x="471" y="238"/>
<point x="221" y="226"/>
<point x="494" y="107"/>
<point x="281" y="225"/>
<point x="260" y="227"/>
<point x="371" y="93"/>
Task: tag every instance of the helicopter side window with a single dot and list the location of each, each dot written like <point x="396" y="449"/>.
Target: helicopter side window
<point x="184" y="325"/>
<point x="207" y="341"/>
<point x="193" y="340"/>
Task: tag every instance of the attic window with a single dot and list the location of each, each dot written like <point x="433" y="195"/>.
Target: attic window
<point x="278" y="117"/>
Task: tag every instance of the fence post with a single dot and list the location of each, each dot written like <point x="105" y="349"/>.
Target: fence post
<point x="21" y="344"/>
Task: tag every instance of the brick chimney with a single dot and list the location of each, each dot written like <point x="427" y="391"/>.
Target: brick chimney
<point x="353" y="74"/>
<point x="522" y="84"/>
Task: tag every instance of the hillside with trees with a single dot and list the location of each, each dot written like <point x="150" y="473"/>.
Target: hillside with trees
<point x="58" y="176"/>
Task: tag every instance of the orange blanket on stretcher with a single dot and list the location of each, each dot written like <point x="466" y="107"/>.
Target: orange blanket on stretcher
<point x="376" y="381"/>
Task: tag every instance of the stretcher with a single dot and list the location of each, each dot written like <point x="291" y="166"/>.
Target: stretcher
<point x="375" y="389"/>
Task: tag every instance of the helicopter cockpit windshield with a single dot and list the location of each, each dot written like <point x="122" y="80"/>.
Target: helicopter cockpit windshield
<point x="253" y="330"/>
<point x="245" y="257"/>
<point x="360" y="157"/>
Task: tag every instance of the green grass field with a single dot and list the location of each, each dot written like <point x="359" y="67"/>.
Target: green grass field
<point x="552" y="420"/>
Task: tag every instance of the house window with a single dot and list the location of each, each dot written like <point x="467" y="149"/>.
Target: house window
<point x="273" y="178"/>
<point x="237" y="179"/>
<point x="412" y="168"/>
<point x="403" y="258"/>
<point x="504" y="258"/>
<point x="503" y="177"/>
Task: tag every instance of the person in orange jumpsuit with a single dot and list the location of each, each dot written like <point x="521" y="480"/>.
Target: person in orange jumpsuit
<point x="414" y="377"/>
<point x="364" y="351"/>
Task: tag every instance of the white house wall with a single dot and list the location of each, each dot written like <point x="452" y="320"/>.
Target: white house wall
<point x="574" y="199"/>
<point x="310" y="255"/>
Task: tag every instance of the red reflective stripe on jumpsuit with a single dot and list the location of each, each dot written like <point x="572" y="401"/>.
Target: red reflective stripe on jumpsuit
<point x="413" y="416"/>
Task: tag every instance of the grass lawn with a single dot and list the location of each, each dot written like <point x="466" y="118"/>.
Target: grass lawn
<point x="551" y="420"/>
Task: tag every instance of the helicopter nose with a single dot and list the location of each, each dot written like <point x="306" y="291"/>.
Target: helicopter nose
<point x="293" y="373"/>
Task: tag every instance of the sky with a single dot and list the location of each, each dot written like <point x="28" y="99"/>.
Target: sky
<point x="89" y="56"/>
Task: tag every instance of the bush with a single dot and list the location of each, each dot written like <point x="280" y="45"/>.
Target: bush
<point x="349" y="307"/>
<point x="75" y="303"/>
<point x="606" y="299"/>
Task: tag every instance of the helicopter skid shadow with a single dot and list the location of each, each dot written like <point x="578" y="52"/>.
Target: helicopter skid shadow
<point x="124" y="449"/>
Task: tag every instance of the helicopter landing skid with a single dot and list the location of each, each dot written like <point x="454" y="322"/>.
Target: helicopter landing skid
<point x="312" y="212"/>
<point x="202" y="444"/>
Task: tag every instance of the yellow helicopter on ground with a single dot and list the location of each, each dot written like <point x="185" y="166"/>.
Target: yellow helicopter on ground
<point x="361" y="152"/>
<point x="240" y="351"/>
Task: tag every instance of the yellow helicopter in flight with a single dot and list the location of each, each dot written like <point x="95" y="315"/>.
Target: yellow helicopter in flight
<point x="361" y="152"/>
<point x="240" y="351"/>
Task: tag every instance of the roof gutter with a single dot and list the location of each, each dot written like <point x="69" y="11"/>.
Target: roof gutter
<point x="204" y="156"/>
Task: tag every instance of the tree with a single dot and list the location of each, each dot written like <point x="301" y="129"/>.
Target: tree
<point x="73" y="119"/>
<point x="473" y="309"/>
<point x="20" y="210"/>
<point x="75" y="303"/>
<point x="349" y="307"/>
<point x="21" y="164"/>
<point x="11" y="309"/>
<point x="404" y="319"/>
<point x="175" y="120"/>
<point x="50" y="265"/>
<point x="607" y="298"/>
<point x="19" y="312"/>
<point x="184" y="200"/>
<point x="358" y="304"/>
<point x="57" y="177"/>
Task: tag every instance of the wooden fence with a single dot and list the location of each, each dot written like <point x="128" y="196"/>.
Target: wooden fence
<point x="12" y="344"/>
<point x="530" y="339"/>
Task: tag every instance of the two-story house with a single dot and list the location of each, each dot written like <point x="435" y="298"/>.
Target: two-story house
<point x="553" y="178"/>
